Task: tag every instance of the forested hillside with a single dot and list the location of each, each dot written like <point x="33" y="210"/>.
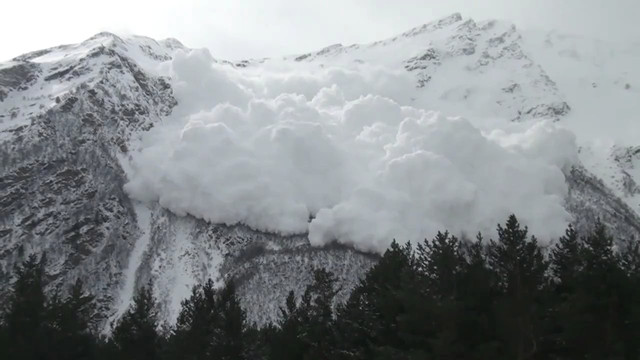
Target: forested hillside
<point x="444" y="298"/>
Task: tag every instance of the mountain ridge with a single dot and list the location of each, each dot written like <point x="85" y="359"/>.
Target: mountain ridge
<point x="74" y="114"/>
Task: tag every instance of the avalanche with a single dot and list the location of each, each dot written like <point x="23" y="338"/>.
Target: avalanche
<point x="334" y="146"/>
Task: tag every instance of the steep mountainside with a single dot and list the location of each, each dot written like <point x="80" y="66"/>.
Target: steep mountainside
<point x="72" y="117"/>
<point x="69" y="115"/>
<point x="467" y="68"/>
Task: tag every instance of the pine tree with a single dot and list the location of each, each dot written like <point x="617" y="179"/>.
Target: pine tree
<point x="520" y="268"/>
<point x="136" y="336"/>
<point x="230" y="327"/>
<point x="286" y="342"/>
<point x="478" y="291"/>
<point x="600" y="298"/>
<point x="566" y="264"/>
<point x="26" y="319"/>
<point x="566" y="260"/>
<point x="193" y="335"/>
<point x="597" y="252"/>
<point x="307" y="329"/>
<point x="4" y="340"/>
<point x="39" y="328"/>
<point x="290" y="309"/>
<point x="71" y="320"/>
<point x="439" y="263"/>
<point x="375" y="316"/>
<point x="316" y="315"/>
<point x="629" y="259"/>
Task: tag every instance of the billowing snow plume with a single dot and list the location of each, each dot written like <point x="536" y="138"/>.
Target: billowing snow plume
<point x="277" y="148"/>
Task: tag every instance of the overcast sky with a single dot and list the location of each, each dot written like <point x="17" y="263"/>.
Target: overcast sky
<point x="235" y="29"/>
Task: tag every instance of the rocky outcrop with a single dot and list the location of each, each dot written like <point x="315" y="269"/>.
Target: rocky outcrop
<point x="61" y="191"/>
<point x="590" y="200"/>
<point x="61" y="181"/>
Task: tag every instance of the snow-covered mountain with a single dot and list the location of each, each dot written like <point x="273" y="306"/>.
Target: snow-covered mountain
<point x="128" y="159"/>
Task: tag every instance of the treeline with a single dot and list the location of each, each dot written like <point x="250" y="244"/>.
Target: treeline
<point x="447" y="298"/>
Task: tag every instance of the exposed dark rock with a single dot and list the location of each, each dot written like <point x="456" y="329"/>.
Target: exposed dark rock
<point x="59" y="74"/>
<point x="17" y="77"/>
<point x="589" y="199"/>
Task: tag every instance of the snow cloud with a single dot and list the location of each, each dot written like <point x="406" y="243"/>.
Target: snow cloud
<point x="338" y="153"/>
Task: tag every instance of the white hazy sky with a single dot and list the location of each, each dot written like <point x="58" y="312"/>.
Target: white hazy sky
<point x="235" y="29"/>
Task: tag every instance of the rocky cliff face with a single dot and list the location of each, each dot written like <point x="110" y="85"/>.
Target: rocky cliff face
<point x="71" y="115"/>
<point x="69" y="112"/>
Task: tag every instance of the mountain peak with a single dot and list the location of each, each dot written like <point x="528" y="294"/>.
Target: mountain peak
<point x="447" y="20"/>
<point x="172" y="43"/>
<point x="104" y="35"/>
<point x="434" y="25"/>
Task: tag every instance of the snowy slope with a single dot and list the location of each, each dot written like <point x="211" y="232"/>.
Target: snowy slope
<point x="464" y="68"/>
<point x="601" y="81"/>
<point x="128" y="159"/>
<point x="70" y="118"/>
<point x="592" y="86"/>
